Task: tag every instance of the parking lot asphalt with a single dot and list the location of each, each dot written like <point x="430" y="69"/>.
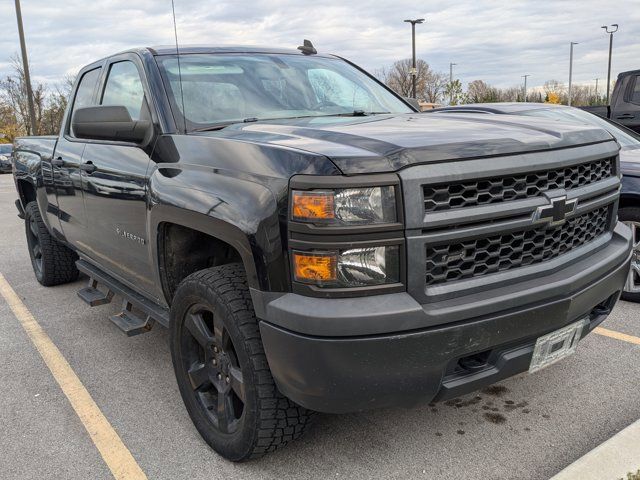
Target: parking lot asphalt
<point x="530" y="426"/>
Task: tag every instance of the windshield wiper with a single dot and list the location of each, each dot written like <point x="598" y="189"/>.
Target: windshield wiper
<point x="220" y="126"/>
<point x="355" y="113"/>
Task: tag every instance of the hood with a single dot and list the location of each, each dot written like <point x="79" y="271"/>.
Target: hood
<point x="385" y="143"/>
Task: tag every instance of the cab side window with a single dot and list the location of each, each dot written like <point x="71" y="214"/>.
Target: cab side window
<point x="124" y="88"/>
<point x="635" y="94"/>
<point x="84" y="93"/>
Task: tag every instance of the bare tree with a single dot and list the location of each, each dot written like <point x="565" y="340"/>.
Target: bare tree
<point x="435" y="84"/>
<point x="429" y="84"/>
<point x="479" y="91"/>
<point x="49" y="105"/>
<point x="56" y="105"/>
<point x="13" y="93"/>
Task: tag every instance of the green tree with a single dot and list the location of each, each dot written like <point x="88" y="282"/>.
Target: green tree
<point x="453" y="92"/>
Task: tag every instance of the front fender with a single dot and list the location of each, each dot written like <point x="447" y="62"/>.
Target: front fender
<point x="238" y="211"/>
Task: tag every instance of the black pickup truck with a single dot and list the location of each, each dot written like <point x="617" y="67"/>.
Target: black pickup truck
<point x="625" y="101"/>
<point x="311" y="241"/>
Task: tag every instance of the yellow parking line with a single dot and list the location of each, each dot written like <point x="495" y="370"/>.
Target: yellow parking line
<point x="114" y="453"/>
<point x="617" y="335"/>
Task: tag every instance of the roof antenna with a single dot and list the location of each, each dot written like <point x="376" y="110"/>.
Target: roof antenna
<point x="307" y="48"/>
<point x="175" y="31"/>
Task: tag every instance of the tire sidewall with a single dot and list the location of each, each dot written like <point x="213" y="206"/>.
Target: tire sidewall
<point x="235" y="446"/>
<point x="31" y="211"/>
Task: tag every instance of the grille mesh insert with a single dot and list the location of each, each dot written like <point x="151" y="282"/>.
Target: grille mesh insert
<point x="514" y="187"/>
<point x="501" y="252"/>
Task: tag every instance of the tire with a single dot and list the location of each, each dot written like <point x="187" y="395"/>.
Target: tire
<point x="53" y="263"/>
<point x="631" y="217"/>
<point x="222" y="370"/>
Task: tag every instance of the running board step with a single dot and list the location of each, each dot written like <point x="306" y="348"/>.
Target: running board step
<point x="130" y="323"/>
<point x="127" y="320"/>
<point x="94" y="297"/>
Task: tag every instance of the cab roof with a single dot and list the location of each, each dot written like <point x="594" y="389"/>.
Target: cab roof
<point x="186" y="49"/>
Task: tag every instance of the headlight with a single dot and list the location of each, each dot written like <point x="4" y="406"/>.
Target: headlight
<point x="4" y="158"/>
<point x="345" y="206"/>
<point x="355" y="267"/>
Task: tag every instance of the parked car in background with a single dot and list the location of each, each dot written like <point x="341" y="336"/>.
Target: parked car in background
<point x="5" y="157"/>
<point x="629" y="142"/>
<point x="625" y="101"/>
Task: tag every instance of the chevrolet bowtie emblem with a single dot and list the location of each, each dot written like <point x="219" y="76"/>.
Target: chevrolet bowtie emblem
<point x="556" y="212"/>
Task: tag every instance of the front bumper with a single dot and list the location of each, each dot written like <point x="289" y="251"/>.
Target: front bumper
<point x="342" y="355"/>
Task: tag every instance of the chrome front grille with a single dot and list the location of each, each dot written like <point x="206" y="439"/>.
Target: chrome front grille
<point x="485" y="191"/>
<point x="496" y="253"/>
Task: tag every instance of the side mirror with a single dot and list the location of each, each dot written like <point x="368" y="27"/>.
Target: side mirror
<point x="107" y="122"/>
<point x="413" y="102"/>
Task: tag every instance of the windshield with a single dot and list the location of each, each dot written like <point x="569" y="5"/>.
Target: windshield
<point x="5" y="149"/>
<point x="228" y="88"/>
<point x="574" y="115"/>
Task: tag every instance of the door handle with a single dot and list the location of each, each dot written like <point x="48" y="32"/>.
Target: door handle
<point x="625" y="116"/>
<point x="57" y="162"/>
<point x="88" y="167"/>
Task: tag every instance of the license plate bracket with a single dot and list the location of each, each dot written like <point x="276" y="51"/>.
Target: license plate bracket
<point x="555" y="346"/>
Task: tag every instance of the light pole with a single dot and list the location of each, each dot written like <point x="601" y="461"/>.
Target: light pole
<point x="597" y="89"/>
<point x="451" y="65"/>
<point x="525" y="85"/>
<point x="570" y="69"/>
<point x="414" y="72"/>
<point x="25" y="66"/>
<point x="606" y="29"/>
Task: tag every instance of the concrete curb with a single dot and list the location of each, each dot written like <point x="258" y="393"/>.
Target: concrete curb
<point x="610" y="461"/>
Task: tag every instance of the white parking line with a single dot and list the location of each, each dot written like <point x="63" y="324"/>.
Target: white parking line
<point x="114" y="452"/>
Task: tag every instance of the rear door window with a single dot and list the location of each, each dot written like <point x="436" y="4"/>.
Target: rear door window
<point x="84" y="93"/>
<point x="635" y="93"/>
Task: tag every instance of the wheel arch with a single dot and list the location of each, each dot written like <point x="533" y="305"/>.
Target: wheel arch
<point x="26" y="191"/>
<point x="170" y="222"/>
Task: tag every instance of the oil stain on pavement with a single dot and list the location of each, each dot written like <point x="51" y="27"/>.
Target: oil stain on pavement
<point x="494" y="405"/>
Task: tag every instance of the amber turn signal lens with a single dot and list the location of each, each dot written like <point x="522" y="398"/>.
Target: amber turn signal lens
<point x="310" y="206"/>
<point x="314" y="267"/>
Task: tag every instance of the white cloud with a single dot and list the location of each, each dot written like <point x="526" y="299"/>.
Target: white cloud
<point x="494" y="40"/>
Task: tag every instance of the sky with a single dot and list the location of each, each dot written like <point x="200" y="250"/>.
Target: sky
<point x="492" y="40"/>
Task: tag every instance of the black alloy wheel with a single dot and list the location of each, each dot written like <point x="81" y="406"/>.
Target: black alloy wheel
<point x="210" y="360"/>
<point x="222" y="370"/>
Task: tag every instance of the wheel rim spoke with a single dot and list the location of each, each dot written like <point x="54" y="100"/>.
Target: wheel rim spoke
<point x="37" y="252"/>
<point x="632" y="279"/>
<point x="224" y="412"/>
<point x="212" y="369"/>
<point x="632" y="284"/>
<point x="199" y="374"/>
<point x="198" y="329"/>
<point x="237" y="383"/>
<point x="33" y="227"/>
